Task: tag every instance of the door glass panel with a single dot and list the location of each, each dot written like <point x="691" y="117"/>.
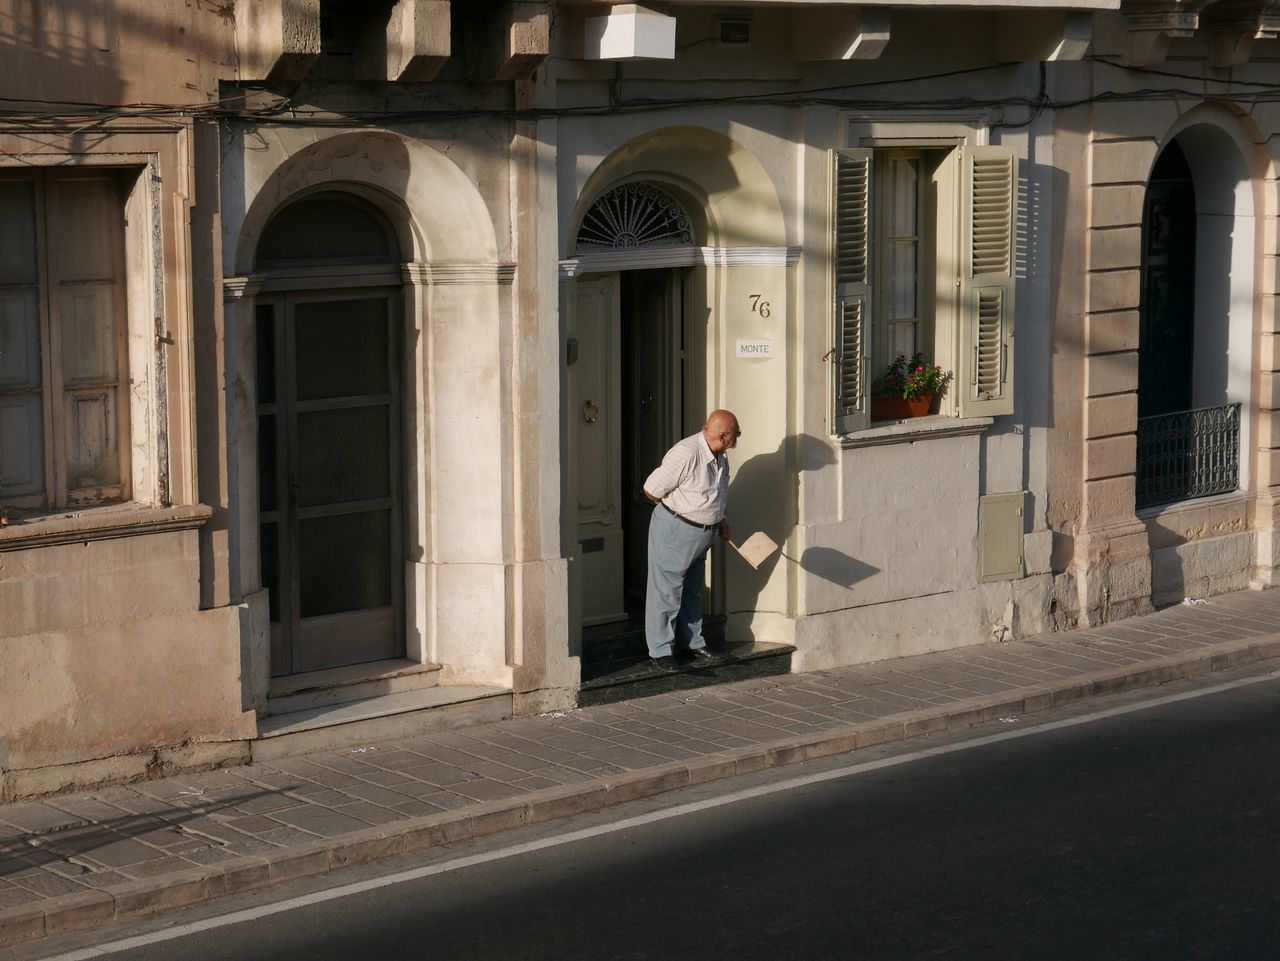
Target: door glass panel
<point x="341" y="348"/>
<point x="20" y="338"/>
<point x="269" y="554"/>
<point x="904" y="186"/>
<point x="343" y="456"/>
<point x="902" y="279"/>
<point x="18" y="239"/>
<point x="267" y="463"/>
<point x="21" y="446"/>
<point x="345" y="562"/>
<point x="902" y="339"/>
<point x="265" y="315"/>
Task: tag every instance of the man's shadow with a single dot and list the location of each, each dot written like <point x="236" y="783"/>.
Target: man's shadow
<point x="764" y="495"/>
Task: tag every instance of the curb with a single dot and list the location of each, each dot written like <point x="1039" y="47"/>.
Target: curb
<point x="134" y="899"/>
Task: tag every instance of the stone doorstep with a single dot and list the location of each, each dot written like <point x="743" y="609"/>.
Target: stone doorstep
<point x="341" y="685"/>
<point x="79" y="911"/>
<point x="434" y="708"/>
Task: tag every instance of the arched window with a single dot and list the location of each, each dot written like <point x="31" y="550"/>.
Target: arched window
<point x="636" y="215"/>
<point x="332" y="226"/>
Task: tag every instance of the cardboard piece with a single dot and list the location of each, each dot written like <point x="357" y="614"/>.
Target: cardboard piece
<point x="756" y="549"/>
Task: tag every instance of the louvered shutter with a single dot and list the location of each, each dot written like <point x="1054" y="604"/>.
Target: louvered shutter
<point x="984" y="375"/>
<point x="851" y="246"/>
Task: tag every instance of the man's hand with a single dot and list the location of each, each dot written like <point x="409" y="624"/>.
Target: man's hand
<point x="725" y="533"/>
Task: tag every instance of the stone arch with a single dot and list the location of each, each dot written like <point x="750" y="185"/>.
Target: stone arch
<point x="723" y="186"/>
<point x="437" y="211"/>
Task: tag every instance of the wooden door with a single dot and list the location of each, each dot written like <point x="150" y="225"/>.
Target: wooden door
<point x="595" y="447"/>
<point x="329" y="487"/>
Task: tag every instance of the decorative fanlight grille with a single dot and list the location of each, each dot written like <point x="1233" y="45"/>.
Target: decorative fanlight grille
<point x="635" y="215"/>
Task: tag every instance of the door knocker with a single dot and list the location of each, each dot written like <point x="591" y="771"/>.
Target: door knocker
<point x="590" y="412"/>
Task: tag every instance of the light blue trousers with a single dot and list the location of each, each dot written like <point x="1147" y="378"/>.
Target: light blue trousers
<point x="673" y="600"/>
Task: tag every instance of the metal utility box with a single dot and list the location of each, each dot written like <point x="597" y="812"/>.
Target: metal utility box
<point x="1000" y="529"/>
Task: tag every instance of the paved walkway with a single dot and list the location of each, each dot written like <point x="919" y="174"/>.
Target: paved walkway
<point x="87" y="858"/>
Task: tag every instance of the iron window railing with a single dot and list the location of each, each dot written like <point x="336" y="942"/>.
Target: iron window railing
<point x="1186" y="454"/>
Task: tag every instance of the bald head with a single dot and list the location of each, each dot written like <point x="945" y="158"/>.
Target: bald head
<point x="721" y="431"/>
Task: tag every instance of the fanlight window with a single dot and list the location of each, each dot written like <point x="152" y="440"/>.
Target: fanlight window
<point x="635" y="215"/>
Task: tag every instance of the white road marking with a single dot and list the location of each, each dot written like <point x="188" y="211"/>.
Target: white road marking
<point x="320" y="897"/>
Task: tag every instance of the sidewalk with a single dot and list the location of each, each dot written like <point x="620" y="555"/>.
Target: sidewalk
<point x="84" y="859"/>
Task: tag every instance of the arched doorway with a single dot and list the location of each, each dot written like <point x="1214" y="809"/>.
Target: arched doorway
<point x="1166" y="335"/>
<point x="1196" y="319"/>
<point x="627" y="383"/>
<point x="328" y="329"/>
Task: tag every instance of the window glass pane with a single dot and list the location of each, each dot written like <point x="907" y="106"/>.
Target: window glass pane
<point x="341" y="348"/>
<point x="327" y="226"/>
<point x="267" y="463"/>
<point x="88" y="334"/>
<point x="345" y="562"/>
<point x="21" y="446"/>
<point x="266" y="353"/>
<point x="902" y="279"/>
<point x="93" y="458"/>
<point x="84" y="244"/>
<point x="902" y="339"/>
<point x="343" y="455"/>
<point x="269" y="554"/>
<point x="18" y="235"/>
<point x="19" y="340"/>
<point x="904" y="189"/>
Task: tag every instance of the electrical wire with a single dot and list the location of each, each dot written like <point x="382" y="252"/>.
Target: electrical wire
<point x="286" y="110"/>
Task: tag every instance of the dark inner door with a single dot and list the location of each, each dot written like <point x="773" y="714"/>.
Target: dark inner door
<point x="652" y="410"/>
<point x="1167" y="314"/>
<point x="328" y="391"/>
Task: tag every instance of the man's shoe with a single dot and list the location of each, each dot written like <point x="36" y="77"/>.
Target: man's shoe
<point x="665" y="664"/>
<point x="703" y="655"/>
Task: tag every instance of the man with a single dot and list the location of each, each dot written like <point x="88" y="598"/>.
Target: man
<point x="691" y="489"/>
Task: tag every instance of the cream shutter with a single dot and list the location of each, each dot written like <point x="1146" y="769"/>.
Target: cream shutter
<point x="984" y="375"/>
<point x="851" y="246"/>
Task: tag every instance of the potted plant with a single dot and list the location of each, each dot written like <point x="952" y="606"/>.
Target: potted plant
<point x="908" y="388"/>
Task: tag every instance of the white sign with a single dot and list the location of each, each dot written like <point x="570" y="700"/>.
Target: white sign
<point x="760" y="349"/>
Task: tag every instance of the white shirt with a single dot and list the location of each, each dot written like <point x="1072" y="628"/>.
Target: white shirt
<point x="692" y="481"/>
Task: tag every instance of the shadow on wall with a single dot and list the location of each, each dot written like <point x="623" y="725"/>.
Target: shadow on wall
<point x="770" y="484"/>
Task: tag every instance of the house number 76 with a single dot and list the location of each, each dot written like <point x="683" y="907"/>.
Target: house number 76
<point x="759" y="306"/>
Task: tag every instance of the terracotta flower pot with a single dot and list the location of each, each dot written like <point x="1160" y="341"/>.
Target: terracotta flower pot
<point x="899" y="408"/>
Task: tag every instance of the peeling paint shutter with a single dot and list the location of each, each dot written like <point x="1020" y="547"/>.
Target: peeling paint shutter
<point x="985" y="370"/>
<point x="851" y="243"/>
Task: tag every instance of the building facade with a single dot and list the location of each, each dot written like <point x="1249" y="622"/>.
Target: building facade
<point x="337" y="339"/>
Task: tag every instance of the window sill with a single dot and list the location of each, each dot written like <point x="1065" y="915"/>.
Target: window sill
<point x="917" y="428"/>
<point x="28" y="529"/>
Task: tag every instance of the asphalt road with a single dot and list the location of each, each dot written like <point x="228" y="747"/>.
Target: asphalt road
<point x="1150" y="835"/>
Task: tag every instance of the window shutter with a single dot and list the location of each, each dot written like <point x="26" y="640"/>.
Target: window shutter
<point x="984" y="375"/>
<point x="851" y="246"/>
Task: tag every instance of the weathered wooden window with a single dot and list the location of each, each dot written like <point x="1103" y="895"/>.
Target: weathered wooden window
<point x="63" y="414"/>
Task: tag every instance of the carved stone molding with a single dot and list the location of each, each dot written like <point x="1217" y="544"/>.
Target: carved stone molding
<point x="1234" y="25"/>
<point x="1151" y="26"/>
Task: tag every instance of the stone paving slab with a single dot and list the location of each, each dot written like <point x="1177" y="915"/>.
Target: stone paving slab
<point x="92" y="857"/>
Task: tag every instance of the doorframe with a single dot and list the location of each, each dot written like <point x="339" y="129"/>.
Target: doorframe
<point x="311" y="281"/>
<point x="681" y="263"/>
